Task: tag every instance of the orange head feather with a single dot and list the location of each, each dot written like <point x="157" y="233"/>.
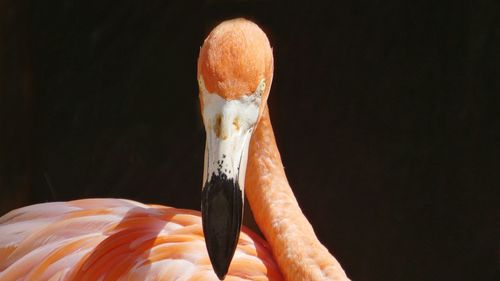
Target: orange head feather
<point x="234" y="58"/>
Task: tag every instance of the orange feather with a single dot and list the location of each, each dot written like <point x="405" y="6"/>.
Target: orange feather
<point x="115" y="239"/>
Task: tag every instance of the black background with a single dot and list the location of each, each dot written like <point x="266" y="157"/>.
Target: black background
<point x="386" y="114"/>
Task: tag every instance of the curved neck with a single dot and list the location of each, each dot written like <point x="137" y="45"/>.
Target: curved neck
<point x="295" y="246"/>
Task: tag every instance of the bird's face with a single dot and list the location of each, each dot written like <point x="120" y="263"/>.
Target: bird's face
<point x="235" y="69"/>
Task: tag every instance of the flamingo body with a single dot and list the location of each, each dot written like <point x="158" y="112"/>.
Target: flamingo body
<point x="116" y="239"/>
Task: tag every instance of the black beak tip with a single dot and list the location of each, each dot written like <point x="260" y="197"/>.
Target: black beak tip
<point x="221" y="268"/>
<point x="220" y="261"/>
<point x="221" y="210"/>
<point x="221" y="255"/>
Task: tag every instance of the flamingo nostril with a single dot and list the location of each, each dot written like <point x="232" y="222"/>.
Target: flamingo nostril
<point x="236" y="123"/>
<point x="218" y="126"/>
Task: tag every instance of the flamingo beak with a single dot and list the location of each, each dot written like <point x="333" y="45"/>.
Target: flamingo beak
<point x="229" y="125"/>
<point x="222" y="195"/>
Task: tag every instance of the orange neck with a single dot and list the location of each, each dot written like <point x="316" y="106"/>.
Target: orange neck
<point x="295" y="246"/>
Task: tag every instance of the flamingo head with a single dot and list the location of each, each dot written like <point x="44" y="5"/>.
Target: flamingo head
<point x="235" y="71"/>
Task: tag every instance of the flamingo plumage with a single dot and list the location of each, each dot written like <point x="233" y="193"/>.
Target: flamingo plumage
<point x="117" y="239"/>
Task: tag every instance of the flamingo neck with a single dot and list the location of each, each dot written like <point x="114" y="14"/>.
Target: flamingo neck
<point x="295" y="246"/>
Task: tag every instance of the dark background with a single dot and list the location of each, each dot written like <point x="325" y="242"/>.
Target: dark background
<point x="386" y="114"/>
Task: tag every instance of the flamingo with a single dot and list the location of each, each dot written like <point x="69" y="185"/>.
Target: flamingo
<point x="118" y="239"/>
